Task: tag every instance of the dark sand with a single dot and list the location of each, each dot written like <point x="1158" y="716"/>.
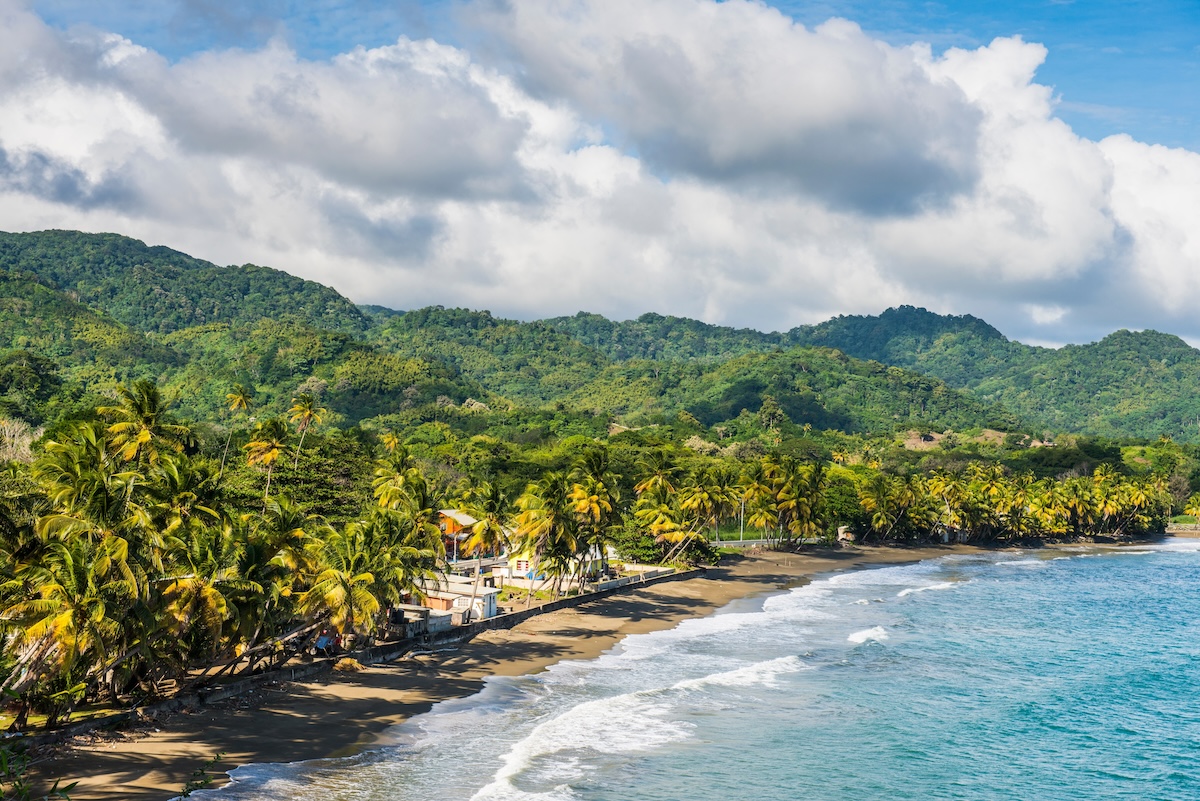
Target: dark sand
<point x="342" y="713"/>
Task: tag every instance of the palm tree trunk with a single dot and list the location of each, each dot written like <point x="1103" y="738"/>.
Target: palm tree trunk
<point x="224" y="455"/>
<point x="296" y="462"/>
<point x="474" y="590"/>
<point x="267" y="491"/>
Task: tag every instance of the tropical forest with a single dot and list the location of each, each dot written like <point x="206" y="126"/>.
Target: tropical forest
<point x="205" y="466"/>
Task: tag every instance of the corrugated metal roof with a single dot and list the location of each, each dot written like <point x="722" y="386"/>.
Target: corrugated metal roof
<point x="462" y="518"/>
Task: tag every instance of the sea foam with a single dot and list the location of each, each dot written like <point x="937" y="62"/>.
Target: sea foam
<point x="876" y="634"/>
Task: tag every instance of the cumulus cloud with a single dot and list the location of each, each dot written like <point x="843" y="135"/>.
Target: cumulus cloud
<point x="683" y="156"/>
<point x="738" y="92"/>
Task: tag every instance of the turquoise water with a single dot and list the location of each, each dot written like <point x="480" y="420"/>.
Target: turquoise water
<point x="1046" y="675"/>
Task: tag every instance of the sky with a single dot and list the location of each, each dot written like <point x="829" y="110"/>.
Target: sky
<point x="1034" y="163"/>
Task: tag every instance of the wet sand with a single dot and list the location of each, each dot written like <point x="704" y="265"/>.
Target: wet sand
<point x="342" y="713"/>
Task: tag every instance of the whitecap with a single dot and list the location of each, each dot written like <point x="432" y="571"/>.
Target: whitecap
<point x="945" y="585"/>
<point x="762" y="673"/>
<point x="877" y="634"/>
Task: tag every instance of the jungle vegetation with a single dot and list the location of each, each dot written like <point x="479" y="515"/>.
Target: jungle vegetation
<point x="205" y="466"/>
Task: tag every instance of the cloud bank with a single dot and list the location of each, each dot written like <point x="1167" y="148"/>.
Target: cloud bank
<point x="715" y="160"/>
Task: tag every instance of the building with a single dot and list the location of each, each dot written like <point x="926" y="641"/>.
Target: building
<point x="456" y="530"/>
<point x="458" y="602"/>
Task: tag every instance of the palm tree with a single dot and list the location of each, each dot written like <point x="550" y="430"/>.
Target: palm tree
<point x="400" y="555"/>
<point x="758" y="495"/>
<point x="595" y="495"/>
<point x="395" y="475"/>
<point x="195" y="596"/>
<point x="267" y="443"/>
<point x="879" y="499"/>
<point x="546" y="524"/>
<point x="656" y="470"/>
<point x="305" y="413"/>
<point x="240" y="400"/>
<point x="143" y="426"/>
<point x="490" y="507"/>
<point x="67" y="621"/>
<point x="342" y="588"/>
<point x="709" y="495"/>
<point x="948" y="488"/>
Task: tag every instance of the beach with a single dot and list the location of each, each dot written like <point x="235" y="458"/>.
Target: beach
<point x="340" y="714"/>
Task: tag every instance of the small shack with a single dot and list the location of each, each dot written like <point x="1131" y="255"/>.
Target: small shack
<point x="458" y="600"/>
<point x="406" y="621"/>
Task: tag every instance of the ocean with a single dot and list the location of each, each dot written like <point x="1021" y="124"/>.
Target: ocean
<point x="1035" y="676"/>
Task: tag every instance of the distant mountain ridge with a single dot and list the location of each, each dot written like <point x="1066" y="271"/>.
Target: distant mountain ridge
<point x="107" y="307"/>
<point x="162" y="290"/>
<point x="1129" y="384"/>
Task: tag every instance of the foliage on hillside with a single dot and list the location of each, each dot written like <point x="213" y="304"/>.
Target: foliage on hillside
<point x="156" y="289"/>
<point x="207" y="327"/>
<point x="821" y="388"/>
<point x="653" y="336"/>
<point x="1126" y="385"/>
<point x="528" y="362"/>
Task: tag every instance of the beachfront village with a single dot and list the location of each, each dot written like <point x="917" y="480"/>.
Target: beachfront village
<point x="480" y="587"/>
<point x="145" y="569"/>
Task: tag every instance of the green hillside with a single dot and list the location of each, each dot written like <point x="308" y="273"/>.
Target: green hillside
<point x="102" y="308"/>
<point x="530" y="363"/>
<point x="161" y="290"/>
<point x="1126" y="385"/>
<point x="653" y="336"/>
<point x="818" y="387"/>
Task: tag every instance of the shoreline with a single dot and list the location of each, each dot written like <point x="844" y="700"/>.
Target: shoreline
<point x="341" y="714"/>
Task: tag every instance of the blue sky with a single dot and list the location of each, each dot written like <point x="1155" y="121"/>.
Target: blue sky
<point x="1119" y="66"/>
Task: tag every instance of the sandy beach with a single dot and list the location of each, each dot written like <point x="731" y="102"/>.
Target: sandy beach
<point x="343" y="713"/>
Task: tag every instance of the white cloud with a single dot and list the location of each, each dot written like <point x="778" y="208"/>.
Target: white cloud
<point x="681" y="156"/>
<point x="737" y="92"/>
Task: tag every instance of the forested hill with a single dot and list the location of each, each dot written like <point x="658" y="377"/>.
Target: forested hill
<point x="161" y="290"/>
<point x="1143" y="384"/>
<point x="106" y="308"/>
<point x="80" y="313"/>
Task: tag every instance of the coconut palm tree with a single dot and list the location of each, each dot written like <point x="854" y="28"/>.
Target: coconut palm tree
<point x="67" y="622"/>
<point x="596" y="496"/>
<point x="267" y="443"/>
<point x="143" y="427"/>
<point x="305" y="413"/>
<point x="395" y="475"/>
<point x="656" y="469"/>
<point x="492" y="510"/>
<point x="342" y="589"/>
<point x="239" y="400"/>
<point x="195" y="595"/>
<point x="546" y="523"/>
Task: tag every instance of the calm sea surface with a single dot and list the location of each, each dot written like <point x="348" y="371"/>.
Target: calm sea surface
<point x="1040" y="676"/>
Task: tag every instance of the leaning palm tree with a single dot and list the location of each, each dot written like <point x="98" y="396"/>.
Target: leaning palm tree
<point x="305" y="413"/>
<point x="239" y="400"/>
<point x="490" y="507"/>
<point x="142" y="425"/>
<point x="267" y="444"/>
